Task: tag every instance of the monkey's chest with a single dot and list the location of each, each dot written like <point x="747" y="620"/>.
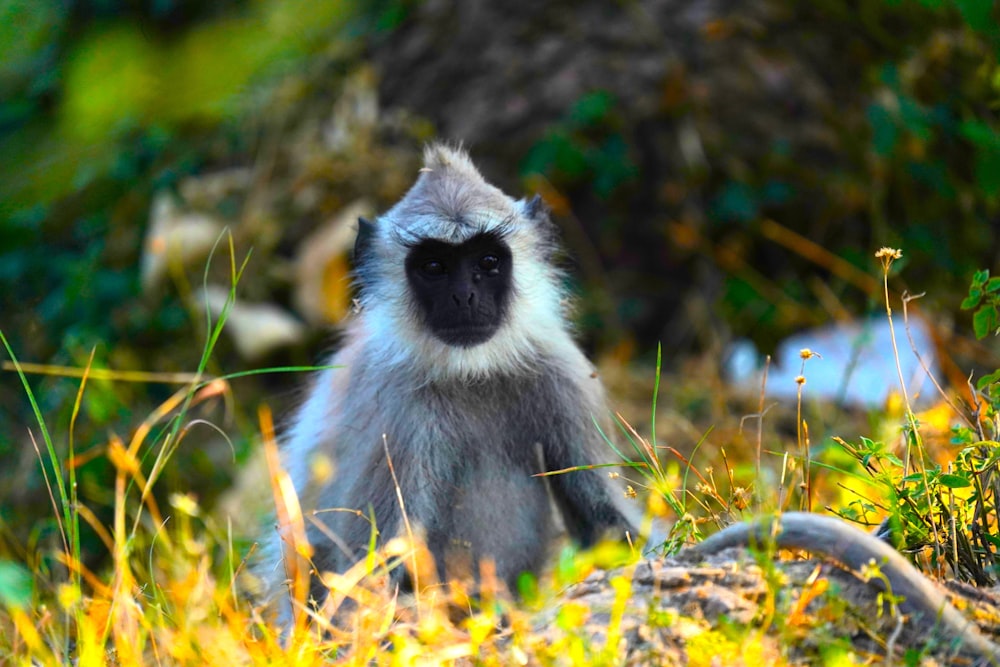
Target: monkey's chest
<point x="463" y="444"/>
<point x="492" y="507"/>
<point x="504" y="408"/>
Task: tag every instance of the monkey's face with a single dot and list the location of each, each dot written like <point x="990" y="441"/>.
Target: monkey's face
<point x="461" y="290"/>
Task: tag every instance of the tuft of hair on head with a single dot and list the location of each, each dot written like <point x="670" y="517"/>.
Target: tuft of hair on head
<point x="450" y="201"/>
<point x="440" y="156"/>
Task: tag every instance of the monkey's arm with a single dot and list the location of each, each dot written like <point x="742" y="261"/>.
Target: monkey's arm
<point x="855" y="548"/>
<point x="590" y="501"/>
<point x="588" y="508"/>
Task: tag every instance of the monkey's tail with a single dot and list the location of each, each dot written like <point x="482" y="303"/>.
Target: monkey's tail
<point x="855" y="549"/>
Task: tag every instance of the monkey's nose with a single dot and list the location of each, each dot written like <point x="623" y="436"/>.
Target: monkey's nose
<point x="467" y="301"/>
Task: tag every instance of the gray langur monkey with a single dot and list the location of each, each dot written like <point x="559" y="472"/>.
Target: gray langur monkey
<point x="851" y="546"/>
<point x="461" y="365"/>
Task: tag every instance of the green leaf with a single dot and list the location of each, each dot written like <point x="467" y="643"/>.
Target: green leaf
<point x="954" y="481"/>
<point x="979" y="277"/>
<point x="556" y="155"/>
<point x="884" y="129"/>
<point x="15" y="584"/>
<point x="918" y="478"/>
<point x="591" y="110"/>
<point x="963" y="435"/>
<point x="993" y="285"/>
<point x="987" y="167"/>
<point x="986" y="141"/>
<point x="567" y="567"/>
<point x="973" y="300"/>
<point x="985" y="321"/>
<point x="980" y="134"/>
<point x="987" y="380"/>
<point x="978" y="14"/>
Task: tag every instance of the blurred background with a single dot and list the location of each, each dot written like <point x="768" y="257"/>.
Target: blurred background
<point x="722" y="172"/>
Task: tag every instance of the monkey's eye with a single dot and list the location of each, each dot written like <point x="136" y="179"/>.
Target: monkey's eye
<point x="489" y="262"/>
<point x="432" y="267"/>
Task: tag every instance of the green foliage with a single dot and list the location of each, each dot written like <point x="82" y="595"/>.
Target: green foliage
<point x="119" y="83"/>
<point x="984" y="300"/>
<point x="587" y="146"/>
<point x="15" y="584"/>
<point x="980" y="15"/>
<point x="931" y="120"/>
<point x="952" y="511"/>
<point x="953" y="514"/>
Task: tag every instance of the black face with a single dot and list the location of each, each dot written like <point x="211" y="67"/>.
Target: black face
<point x="462" y="290"/>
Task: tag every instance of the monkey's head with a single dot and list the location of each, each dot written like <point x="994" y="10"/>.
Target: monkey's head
<point x="458" y="276"/>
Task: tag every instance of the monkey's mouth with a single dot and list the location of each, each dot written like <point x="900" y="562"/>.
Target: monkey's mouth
<point x="466" y="336"/>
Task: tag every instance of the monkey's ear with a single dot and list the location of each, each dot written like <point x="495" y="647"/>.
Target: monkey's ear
<point x="363" y="242"/>
<point x="536" y="208"/>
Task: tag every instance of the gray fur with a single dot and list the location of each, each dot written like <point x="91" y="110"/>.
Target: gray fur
<point x="467" y="428"/>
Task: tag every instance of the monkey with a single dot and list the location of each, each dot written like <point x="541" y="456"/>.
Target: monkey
<point x="461" y="370"/>
<point x="854" y="548"/>
<point x="461" y="367"/>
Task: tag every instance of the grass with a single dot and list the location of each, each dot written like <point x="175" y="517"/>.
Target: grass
<point x="179" y="590"/>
